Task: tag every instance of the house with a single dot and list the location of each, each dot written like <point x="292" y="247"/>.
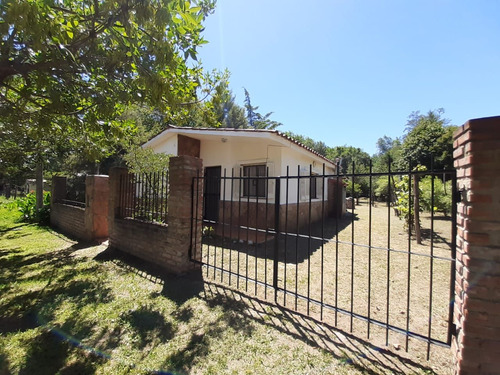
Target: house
<point x="240" y="170"/>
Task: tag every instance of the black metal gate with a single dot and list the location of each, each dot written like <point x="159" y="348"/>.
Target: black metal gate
<point x="358" y="267"/>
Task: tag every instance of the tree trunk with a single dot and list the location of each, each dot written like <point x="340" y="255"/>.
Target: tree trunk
<point x="39" y="185"/>
<point x="416" y="209"/>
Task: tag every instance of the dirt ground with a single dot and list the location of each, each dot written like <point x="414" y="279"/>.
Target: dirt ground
<point x="406" y="287"/>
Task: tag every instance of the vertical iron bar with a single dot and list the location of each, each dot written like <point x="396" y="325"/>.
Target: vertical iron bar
<point x="148" y="195"/>
<point x="267" y="232"/>
<point x="231" y="226"/>
<point x="309" y="241"/>
<point x="120" y="198"/>
<point x="453" y="254"/>
<point x="197" y="190"/>
<point x="338" y="214"/>
<point x="223" y="202"/>
<point x="162" y="200"/>
<point x="133" y="196"/>
<point x="256" y="230"/>
<point x="431" y="271"/>
<point x="193" y="216"/>
<point x="408" y="285"/>
<point x="370" y="248"/>
<point x="206" y="182"/>
<point x="136" y="190"/>
<point x="388" y="256"/>
<point x="276" y="236"/>
<point x="297" y="238"/>
<point x="286" y="232"/>
<point x="167" y="192"/>
<point x="215" y="183"/>
<point x="247" y="181"/>
<point x="322" y="240"/>
<point x="352" y="245"/>
<point x="240" y="193"/>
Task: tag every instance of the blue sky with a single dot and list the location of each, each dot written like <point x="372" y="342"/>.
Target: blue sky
<point x="347" y="72"/>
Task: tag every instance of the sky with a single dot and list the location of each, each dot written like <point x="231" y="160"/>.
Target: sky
<point x="347" y="72"/>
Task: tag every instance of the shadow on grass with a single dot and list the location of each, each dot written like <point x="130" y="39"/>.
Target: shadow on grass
<point x="294" y="247"/>
<point x="48" y="354"/>
<point x="36" y="286"/>
<point x="346" y="348"/>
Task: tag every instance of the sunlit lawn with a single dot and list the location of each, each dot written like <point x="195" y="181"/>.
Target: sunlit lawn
<point x="70" y="308"/>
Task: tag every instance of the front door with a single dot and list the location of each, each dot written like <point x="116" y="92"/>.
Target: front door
<point x="212" y="193"/>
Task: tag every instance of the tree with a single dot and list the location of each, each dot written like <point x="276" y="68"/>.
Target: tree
<point x="318" y="146"/>
<point x="257" y="120"/>
<point x="428" y="136"/>
<point x="69" y="68"/>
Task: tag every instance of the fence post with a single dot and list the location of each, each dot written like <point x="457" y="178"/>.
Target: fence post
<point x="181" y="235"/>
<point x="476" y="346"/>
<point x="96" y="207"/>
<point x="114" y="197"/>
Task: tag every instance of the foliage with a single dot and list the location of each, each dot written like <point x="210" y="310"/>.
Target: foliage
<point x="434" y="195"/>
<point x="349" y="157"/>
<point x="69" y="69"/>
<point x="27" y="206"/>
<point x="442" y="195"/>
<point x="356" y="192"/>
<point x="428" y="136"/>
<point x="318" y="146"/>
<point x="255" y="119"/>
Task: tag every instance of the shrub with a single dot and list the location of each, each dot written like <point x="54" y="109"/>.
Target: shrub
<point x="27" y="206"/>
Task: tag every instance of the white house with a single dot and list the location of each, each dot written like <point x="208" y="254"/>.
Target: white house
<point x="246" y="155"/>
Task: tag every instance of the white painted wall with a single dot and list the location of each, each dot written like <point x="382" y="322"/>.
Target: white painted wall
<point x="232" y="153"/>
<point x="167" y="146"/>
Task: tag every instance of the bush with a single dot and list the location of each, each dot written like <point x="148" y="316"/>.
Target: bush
<point x="27" y="206"/>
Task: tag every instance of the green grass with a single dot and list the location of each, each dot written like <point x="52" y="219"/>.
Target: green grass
<point x="71" y="308"/>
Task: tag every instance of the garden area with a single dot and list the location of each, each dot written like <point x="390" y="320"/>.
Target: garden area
<point x="68" y="307"/>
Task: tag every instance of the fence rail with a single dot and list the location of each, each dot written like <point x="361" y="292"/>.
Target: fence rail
<point x="144" y="196"/>
<point x="367" y="266"/>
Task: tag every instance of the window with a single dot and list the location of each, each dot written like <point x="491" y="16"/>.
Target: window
<point x="254" y="187"/>
<point x="313" y="187"/>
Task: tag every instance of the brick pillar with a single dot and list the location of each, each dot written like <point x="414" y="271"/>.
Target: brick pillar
<point x="96" y="207"/>
<point x="182" y="170"/>
<point x="58" y="189"/>
<point x="114" y="194"/>
<point x="477" y="290"/>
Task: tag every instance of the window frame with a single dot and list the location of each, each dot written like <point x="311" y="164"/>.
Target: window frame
<point x="252" y="186"/>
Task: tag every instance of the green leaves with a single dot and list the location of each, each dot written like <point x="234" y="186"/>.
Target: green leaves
<point x="68" y="69"/>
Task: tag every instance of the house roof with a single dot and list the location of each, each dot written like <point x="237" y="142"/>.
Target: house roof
<point x="231" y="132"/>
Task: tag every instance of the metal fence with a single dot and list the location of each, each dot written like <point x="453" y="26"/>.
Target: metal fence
<point x="144" y="196"/>
<point x="362" y="270"/>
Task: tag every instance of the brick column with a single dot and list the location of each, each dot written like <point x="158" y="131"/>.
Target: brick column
<point x="58" y="189"/>
<point x="477" y="290"/>
<point x="96" y="206"/>
<point x="182" y="170"/>
<point x="114" y="194"/>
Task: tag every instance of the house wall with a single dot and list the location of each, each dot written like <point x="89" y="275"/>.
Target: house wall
<point x="236" y="217"/>
<point x="170" y="146"/>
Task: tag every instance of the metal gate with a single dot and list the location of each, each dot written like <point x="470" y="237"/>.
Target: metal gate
<point x="352" y="263"/>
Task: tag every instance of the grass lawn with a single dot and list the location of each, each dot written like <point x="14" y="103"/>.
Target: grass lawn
<point x="72" y="308"/>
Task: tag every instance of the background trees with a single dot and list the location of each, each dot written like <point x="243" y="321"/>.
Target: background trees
<point x="69" y="69"/>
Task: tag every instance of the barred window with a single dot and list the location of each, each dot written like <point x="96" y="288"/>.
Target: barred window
<point x="254" y="187"/>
